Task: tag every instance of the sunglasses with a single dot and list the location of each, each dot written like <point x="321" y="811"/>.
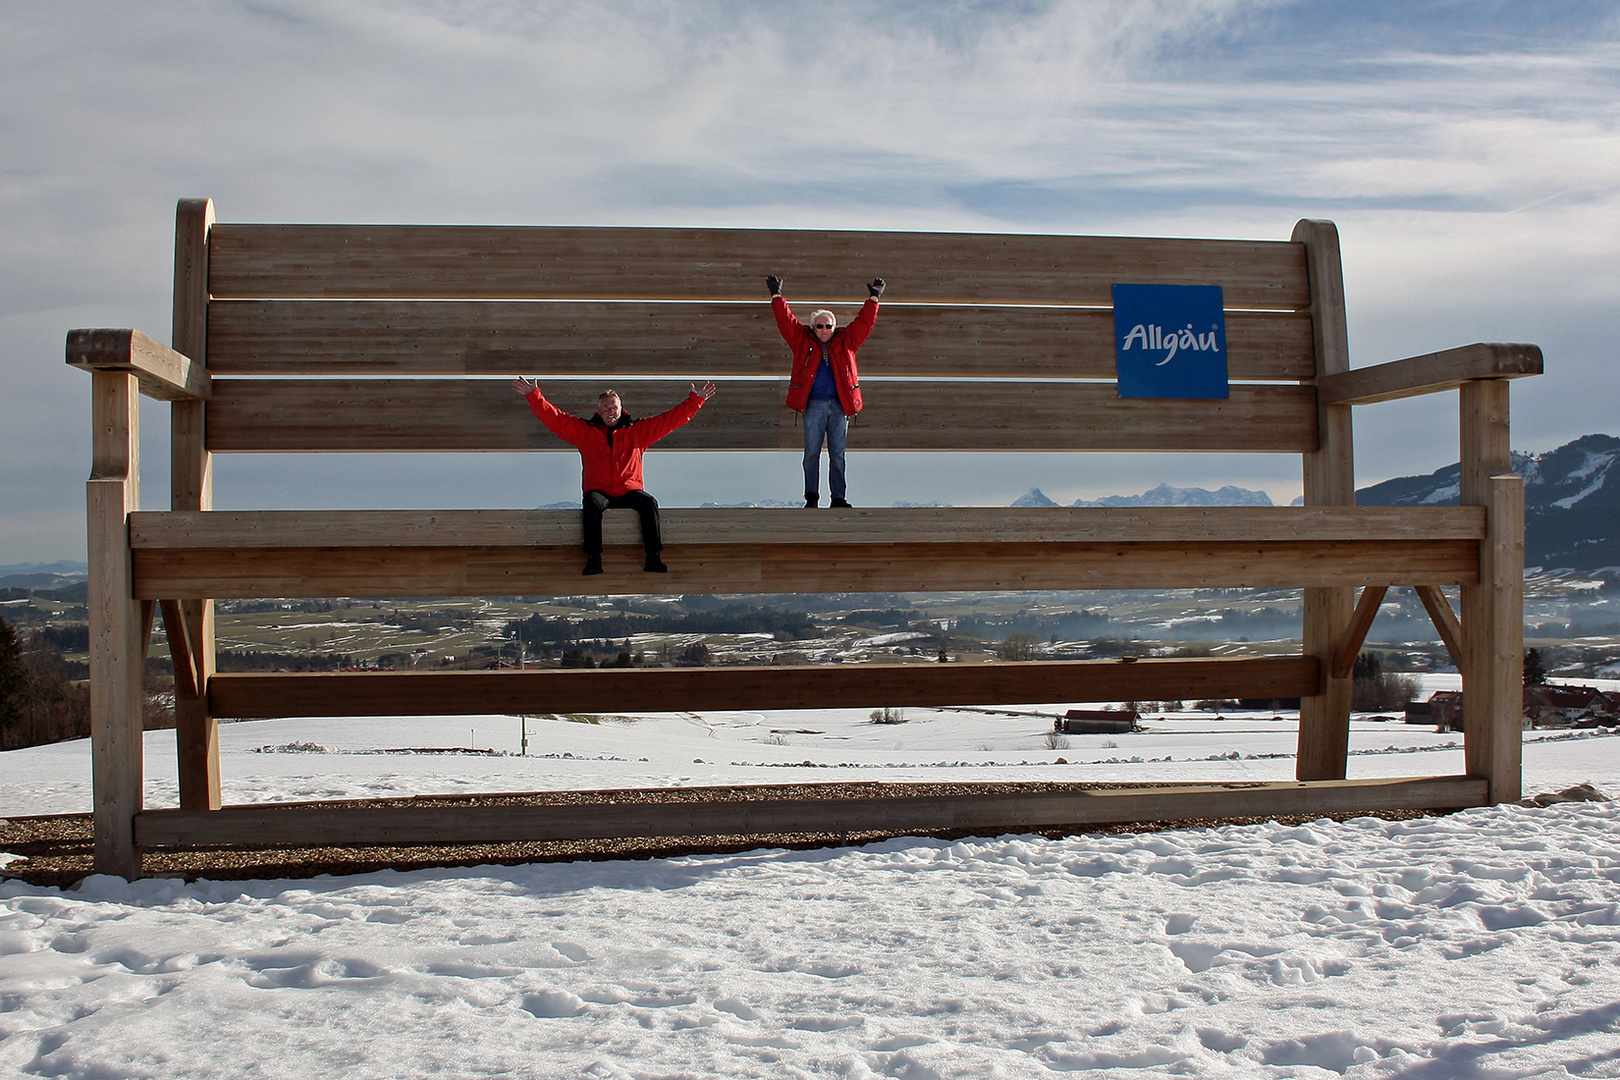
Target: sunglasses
<point x="824" y="326"/>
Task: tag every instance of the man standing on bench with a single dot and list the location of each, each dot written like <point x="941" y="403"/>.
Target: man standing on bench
<point x="610" y="446"/>
<point x="825" y="385"/>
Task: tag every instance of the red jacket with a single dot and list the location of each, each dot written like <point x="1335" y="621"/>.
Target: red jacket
<point x="840" y="353"/>
<point x="612" y="456"/>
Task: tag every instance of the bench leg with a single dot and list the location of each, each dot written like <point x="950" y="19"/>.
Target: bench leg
<point x="1324" y="719"/>
<point x="117" y="656"/>
<point x="1493" y="610"/>
<point x="196" y="732"/>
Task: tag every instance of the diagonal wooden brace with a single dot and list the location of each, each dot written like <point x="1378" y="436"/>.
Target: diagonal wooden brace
<point x="1344" y="658"/>
<point x="187" y="678"/>
<point x="1445" y="620"/>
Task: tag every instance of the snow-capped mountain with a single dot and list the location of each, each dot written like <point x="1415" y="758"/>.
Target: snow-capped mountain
<point x="1163" y="495"/>
<point x="1571" y="511"/>
<point x="1032" y="497"/>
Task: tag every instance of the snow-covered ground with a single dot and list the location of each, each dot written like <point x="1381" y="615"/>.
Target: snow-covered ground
<point x="1484" y="944"/>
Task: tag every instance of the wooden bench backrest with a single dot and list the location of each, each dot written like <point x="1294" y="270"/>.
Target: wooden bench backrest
<point x="350" y="337"/>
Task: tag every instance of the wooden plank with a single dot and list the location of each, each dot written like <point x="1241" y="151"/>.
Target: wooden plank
<point x="334" y="338"/>
<point x="729" y="568"/>
<point x="117" y="660"/>
<point x="658" y="689"/>
<point x="1501" y="758"/>
<point x="148" y="612"/>
<point x="311" y="825"/>
<point x="1445" y="621"/>
<point x="755" y="525"/>
<point x="1430" y="373"/>
<point x="187" y="679"/>
<point x="1344" y="660"/>
<point x="469" y="262"/>
<point x="163" y="373"/>
<point x="1493" y="606"/>
<point x="1324" y="718"/>
<point x="273" y="415"/>
<point x="191" y="489"/>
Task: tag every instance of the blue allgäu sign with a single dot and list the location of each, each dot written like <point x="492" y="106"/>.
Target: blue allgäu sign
<point x="1170" y="341"/>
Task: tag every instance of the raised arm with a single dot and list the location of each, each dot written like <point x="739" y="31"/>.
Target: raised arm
<point x="566" y="427"/>
<point x="861" y="326"/>
<point x="792" y="330"/>
<point x="649" y="430"/>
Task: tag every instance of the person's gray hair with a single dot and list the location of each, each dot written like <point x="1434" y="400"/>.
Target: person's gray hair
<point x="814" y="315"/>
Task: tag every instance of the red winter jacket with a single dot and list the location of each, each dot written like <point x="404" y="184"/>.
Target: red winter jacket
<point x="612" y="456"/>
<point x="840" y="352"/>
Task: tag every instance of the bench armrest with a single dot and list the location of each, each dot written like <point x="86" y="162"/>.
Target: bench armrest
<point x="162" y="373"/>
<point x="1429" y="373"/>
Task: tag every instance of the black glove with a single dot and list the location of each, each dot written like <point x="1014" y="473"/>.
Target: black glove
<point x="876" y="288"/>
<point x="773" y="283"/>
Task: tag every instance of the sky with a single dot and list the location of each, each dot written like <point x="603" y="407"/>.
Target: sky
<point x="1469" y="153"/>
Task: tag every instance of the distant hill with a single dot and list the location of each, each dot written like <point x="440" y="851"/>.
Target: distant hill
<point x="60" y="568"/>
<point x="1571" y="511"/>
<point x="56" y="576"/>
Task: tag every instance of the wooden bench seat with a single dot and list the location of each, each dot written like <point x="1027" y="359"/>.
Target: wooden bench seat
<point x="398" y="338"/>
<point x="240" y="554"/>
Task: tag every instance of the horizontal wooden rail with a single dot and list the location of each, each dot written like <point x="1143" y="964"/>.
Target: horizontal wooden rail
<point x="821" y="686"/>
<point x="178" y="530"/>
<point x="202" y="573"/>
<point x="627" y="339"/>
<point x="225" y="554"/>
<point x="1430" y="373"/>
<point x="271" y="415"/>
<point x="161" y="372"/>
<point x="328" y="826"/>
<point x="468" y="262"/>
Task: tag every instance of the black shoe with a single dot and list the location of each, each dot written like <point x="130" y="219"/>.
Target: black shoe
<point x="810" y="501"/>
<point x="841" y="503"/>
<point x="593" y="565"/>
<point x="655" y="565"/>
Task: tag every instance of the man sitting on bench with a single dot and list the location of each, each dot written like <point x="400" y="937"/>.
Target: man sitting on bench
<point x="610" y="446"/>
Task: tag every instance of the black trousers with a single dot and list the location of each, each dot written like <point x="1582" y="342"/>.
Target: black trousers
<point x="596" y="502"/>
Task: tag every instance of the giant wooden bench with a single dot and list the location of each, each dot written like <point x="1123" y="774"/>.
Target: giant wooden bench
<point x="404" y="338"/>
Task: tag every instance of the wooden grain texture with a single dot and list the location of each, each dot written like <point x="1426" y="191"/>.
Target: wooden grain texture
<point x="117" y="657"/>
<point x="783" y="568"/>
<point x="628" y="339"/>
<point x="187" y="679"/>
<point x="1446" y="623"/>
<point x="163" y="373"/>
<point x="345" y="415"/>
<point x="1324" y="719"/>
<point x="1501" y="757"/>
<point x="1344" y="659"/>
<point x="1430" y="373"/>
<point x="1493" y="607"/>
<point x="824" y="686"/>
<point x="468" y="262"/>
<point x="191" y="489"/>
<point x="322" y="826"/>
<point x="752" y="526"/>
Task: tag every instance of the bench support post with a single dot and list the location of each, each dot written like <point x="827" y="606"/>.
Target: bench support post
<point x="191" y="481"/>
<point x="1493" y="609"/>
<point x="117" y="656"/>
<point x="1324" y="718"/>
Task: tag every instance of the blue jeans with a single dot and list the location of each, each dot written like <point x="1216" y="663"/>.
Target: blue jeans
<point x="824" y="419"/>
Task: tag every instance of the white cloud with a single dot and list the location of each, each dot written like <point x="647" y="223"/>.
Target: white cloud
<point x="1473" y="183"/>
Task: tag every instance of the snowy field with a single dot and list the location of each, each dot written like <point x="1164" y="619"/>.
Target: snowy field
<point x="1481" y="945"/>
